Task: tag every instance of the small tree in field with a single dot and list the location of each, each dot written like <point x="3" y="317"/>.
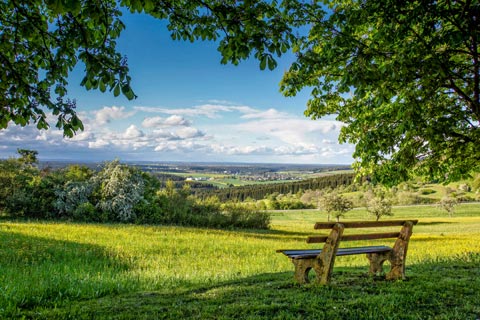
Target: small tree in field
<point x="448" y="204"/>
<point x="379" y="207"/>
<point x="336" y="204"/>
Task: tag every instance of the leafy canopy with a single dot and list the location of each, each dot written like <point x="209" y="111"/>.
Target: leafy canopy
<point x="404" y="76"/>
<point x="42" y="41"/>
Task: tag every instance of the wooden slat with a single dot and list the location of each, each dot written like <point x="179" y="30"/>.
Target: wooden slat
<point x="302" y="252"/>
<point x="309" y="254"/>
<point x="362" y="250"/>
<point x="352" y="237"/>
<point x="317" y="239"/>
<point x="288" y="250"/>
<point x="370" y="236"/>
<point x="363" y="224"/>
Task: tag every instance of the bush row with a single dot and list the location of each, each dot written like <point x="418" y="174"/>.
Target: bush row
<point x="113" y="193"/>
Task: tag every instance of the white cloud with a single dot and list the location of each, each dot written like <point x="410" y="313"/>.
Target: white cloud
<point x="84" y="135"/>
<point x="133" y="132"/>
<point x="107" y="114"/>
<point x="176" y="120"/>
<point x="100" y="143"/>
<point x="29" y="134"/>
<point x="211" y="111"/>
<point x="162" y="134"/>
<point x="268" y="114"/>
<point x="172" y="121"/>
<point x="189" y="133"/>
<point x="328" y="141"/>
<point x="42" y="136"/>
<point x="181" y="146"/>
<point x="290" y="130"/>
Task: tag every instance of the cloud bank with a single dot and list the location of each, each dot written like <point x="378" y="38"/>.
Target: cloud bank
<point x="214" y="131"/>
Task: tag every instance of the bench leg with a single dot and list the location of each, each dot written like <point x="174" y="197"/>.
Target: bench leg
<point x="397" y="260"/>
<point x="326" y="259"/>
<point x="323" y="267"/>
<point x="302" y="268"/>
<point x="399" y="253"/>
<point x="376" y="262"/>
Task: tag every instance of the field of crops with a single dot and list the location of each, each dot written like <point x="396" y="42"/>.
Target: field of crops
<point x="66" y="270"/>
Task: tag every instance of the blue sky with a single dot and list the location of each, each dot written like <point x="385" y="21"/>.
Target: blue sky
<point x="189" y="108"/>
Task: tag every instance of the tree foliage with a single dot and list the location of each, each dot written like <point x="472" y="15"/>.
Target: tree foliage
<point x="42" y="41"/>
<point x="448" y="204"/>
<point x="379" y="207"/>
<point x="28" y="157"/>
<point x="335" y="203"/>
<point x="404" y="76"/>
<point x="25" y="190"/>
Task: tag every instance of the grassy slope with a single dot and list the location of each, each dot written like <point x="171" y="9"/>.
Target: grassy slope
<point x="62" y="270"/>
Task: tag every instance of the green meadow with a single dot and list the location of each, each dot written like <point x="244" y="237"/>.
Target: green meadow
<point x="52" y="270"/>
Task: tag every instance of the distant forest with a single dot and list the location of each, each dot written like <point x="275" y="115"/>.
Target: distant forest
<point x="260" y="191"/>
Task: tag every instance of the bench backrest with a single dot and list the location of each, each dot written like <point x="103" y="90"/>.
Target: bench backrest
<point x="358" y="225"/>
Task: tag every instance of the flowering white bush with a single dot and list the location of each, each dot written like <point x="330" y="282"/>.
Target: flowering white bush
<point x="72" y="195"/>
<point x="121" y="188"/>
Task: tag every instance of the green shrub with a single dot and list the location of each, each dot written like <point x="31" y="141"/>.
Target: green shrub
<point x="86" y="212"/>
<point x="121" y="189"/>
<point x="241" y="216"/>
<point x="407" y="198"/>
<point x="71" y="197"/>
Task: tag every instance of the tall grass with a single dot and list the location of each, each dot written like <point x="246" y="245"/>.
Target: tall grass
<point x="63" y="268"/>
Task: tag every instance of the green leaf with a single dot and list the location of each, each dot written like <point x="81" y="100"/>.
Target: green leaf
<point x="128" y="92"/>
<point x="130" y="95"/>
<point x="102" y="86"/>
<point x="272" y="64"/>
<point x="88" y="84"/>
<point x="116" y="90"/>
<point x="263" y="62"/>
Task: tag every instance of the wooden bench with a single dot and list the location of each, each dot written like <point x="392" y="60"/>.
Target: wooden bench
<point x="322" y="260"/>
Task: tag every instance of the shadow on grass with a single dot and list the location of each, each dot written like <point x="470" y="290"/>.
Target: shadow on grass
<point x="433" y="223"/>
<point x="275" y="234"/>
<point x="433" y="290"/>
<point x="38" y="271"/>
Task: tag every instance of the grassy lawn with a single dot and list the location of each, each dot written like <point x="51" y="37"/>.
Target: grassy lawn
<point x="89" y="271"/>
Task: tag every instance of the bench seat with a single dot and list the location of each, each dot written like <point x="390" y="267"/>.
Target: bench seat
<point x="313" y="253"/>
